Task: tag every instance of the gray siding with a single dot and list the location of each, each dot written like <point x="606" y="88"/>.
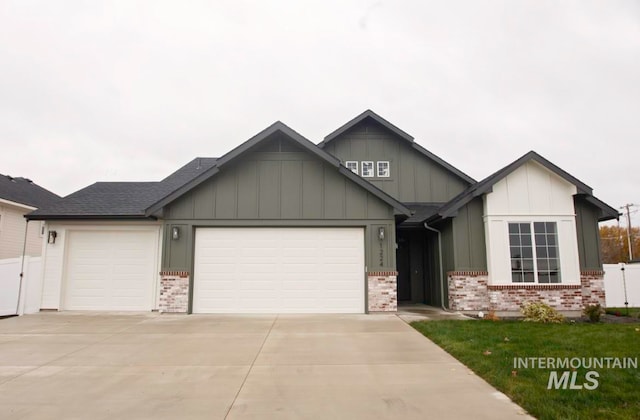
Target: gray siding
<point x="588" y="235"/>
<point x="469" y="238"/>
<point x="288" y="187"/>
<point x="413" y="178"/>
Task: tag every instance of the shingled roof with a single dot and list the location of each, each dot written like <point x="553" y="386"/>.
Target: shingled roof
<point x="127" y="200"/>
<point x="26" y="192"/>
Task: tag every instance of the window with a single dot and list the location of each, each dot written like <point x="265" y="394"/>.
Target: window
<point x="383" y="169"/>
<point x="42" y="229"/>
<point x="534" y="257"/>
<point x="352" y="165"/>
<point x="367" y="169"/>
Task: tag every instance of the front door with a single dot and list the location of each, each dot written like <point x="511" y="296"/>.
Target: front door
<point x="411" y="268"/>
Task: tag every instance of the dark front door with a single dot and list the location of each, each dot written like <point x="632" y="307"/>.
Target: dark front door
<point x="404" y="270"/>
<point x="411" y="269"/>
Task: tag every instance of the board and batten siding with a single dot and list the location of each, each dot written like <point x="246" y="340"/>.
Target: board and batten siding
<point x="279" y="189"/>
<point x="413" y="177"/>
<point x="588" y="235"/>
<point x="530" y="193"/>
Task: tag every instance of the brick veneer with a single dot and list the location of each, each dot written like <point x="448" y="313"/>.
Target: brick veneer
<point x="383" y="291"/>
<point x="470" y="291"/>
<point x="174" y="291"/>
<point x="593" y="287"/>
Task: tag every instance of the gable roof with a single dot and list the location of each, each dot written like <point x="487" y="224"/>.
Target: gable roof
<point x="486" y="185"/>
<point x="261" y="137"/>
<point x="26" y="192"/>
<point x="369" y="114"/>
<point x="137" y="200"/>
<point x="127" y="200"/>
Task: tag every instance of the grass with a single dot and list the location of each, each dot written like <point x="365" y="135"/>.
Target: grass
<point x="622" y="311"/>
<point x="616" y="397"/>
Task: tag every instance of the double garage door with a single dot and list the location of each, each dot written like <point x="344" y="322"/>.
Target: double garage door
<point x="279" y="270"/>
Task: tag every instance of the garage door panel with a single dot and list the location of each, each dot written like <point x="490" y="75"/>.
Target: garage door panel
<point x="110" y="270"/>
<point x="305" y="270"/>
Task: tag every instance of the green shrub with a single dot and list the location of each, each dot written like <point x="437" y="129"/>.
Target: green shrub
<point x="593" y="312"/>
<point x="540" y="312"/>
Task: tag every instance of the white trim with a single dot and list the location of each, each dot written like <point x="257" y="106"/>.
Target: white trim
<point x="13" y="203"/>
<point x="373" y="169"/>
<point x="354" y="170"/>
<point x="388" y="171"/>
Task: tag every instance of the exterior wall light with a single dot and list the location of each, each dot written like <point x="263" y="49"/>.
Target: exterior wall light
<point x="175" y="233"/>
<point x="52" y="237"/>
<point x="381" y="233"/>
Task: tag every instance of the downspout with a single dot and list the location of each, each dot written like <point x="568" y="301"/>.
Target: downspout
<point x="426" y="226"/>
<point x="24" y="251"/>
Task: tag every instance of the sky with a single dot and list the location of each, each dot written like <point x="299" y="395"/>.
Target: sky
<point x="132" y="90"/>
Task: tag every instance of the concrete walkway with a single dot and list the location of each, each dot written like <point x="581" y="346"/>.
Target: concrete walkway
<point x="73" y="365"/>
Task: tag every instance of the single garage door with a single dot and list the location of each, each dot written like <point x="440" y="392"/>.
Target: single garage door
<point x="279" y="270"/>
<point x="110" y="270"/>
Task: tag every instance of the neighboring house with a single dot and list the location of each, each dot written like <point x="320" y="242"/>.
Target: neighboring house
<point x="19" y="196"/>
<point x="364" y="220"/>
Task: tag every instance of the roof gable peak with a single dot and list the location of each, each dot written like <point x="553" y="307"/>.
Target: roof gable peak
<point x="368" y="114"/>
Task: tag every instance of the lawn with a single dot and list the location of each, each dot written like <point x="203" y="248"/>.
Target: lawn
<point x="622" y="311"/>
<point x="489" y="348"/>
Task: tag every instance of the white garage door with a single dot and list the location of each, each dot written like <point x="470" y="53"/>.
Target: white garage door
<point x="110" y="270"/>
<point x="279" y="270"/>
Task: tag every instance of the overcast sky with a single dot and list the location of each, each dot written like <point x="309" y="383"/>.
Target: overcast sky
<point x="131" y="90"/>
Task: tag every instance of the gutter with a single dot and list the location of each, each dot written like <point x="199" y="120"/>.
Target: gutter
<point x="442" y="305"/>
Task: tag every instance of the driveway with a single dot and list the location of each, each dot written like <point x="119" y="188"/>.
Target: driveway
<point x="80" y="365"/>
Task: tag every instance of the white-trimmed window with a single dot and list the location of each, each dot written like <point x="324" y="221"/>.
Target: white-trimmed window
<point x="383" y="169"/>
<point x="367" y="169"/>
<point x="352" y="165"/>
<point x="534" y="252"/>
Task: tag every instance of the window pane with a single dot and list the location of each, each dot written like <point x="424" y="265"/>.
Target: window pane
<point x="528" y="278"/>
<point x="554" y="264"/>
<point x="543" y="264"/>
<point x="514" y="240"/>
<point x="527" y="252"/>
<point x="525" y="228"/>
<point x="541" y="240"/>
<point x="527" y="264"/>
<point x="513" y="228"/>
<point x="554" y="277"/>
<point x="515" y="252"/>
<point x="553" y="252"/>
<point x="526" y="240"/>
<point x="541" y="252"/>
<point x="551" y="227"/>
<point x="543" y="277"/>
<point x="538" y="227"/>
<point x="551" y="239"/>
<point x="516" y="277"/>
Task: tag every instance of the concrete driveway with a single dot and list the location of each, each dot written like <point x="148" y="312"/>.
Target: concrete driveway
<point x="72" y="365"/>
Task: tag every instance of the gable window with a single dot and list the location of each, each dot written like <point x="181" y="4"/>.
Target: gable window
<point x="383" y="169"/>
<point x="534" y="252"/>
<point x="352" y="165"/>
<point x="367" y="169"/>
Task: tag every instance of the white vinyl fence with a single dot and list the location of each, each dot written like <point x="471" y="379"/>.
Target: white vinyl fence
<point x="614" y="284"/>
<point x="31" y="294"/>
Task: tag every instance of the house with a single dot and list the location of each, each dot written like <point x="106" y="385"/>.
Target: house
<point x="19" y="196"/>
<point x="362" y="221"/>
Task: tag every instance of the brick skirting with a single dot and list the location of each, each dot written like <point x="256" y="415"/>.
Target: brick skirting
<point x="174" y="291"/>
<point x="470" y="291"/>
<point x="383" y="291"/>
